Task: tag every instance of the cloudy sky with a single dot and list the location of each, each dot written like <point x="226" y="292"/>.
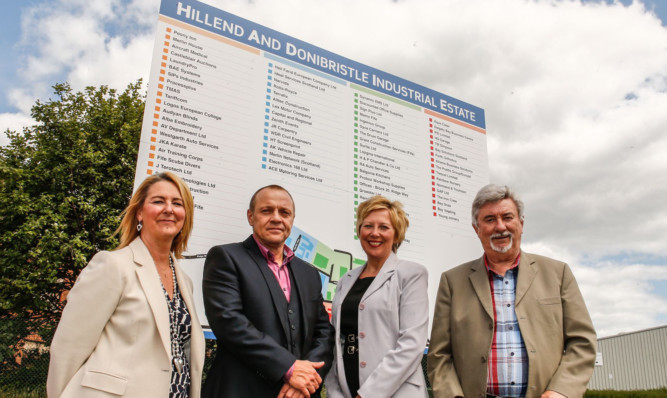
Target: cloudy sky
<point x="575" y="95"/>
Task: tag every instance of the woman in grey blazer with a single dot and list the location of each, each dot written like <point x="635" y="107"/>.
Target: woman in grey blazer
<point x="380" y="312"/>
<point x="129" y="327"/>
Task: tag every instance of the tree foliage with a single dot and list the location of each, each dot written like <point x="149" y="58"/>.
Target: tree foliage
<point x="63" y="183"/>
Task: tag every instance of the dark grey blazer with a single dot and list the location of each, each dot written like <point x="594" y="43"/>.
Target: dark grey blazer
<point x="241" y="297"/>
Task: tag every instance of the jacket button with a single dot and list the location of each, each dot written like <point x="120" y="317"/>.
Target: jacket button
<point x="483" y="359"/>
<point x="362" y="335"/>
<point x="362" y="306"/>
<point x="362" y="364"/>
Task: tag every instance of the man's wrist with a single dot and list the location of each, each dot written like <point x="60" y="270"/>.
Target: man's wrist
<point x="288" y="375"/>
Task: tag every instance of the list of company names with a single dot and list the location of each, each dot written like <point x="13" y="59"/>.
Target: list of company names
<point x="228" y="117"/>
<point x="458" y="170"/>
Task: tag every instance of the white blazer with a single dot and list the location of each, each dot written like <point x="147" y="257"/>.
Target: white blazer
<point x="113" y="338"/>
<point x="393" y="329"/>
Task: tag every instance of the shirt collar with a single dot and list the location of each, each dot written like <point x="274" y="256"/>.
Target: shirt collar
<point x="288" y="254"/>
<point x="514" y="266"/>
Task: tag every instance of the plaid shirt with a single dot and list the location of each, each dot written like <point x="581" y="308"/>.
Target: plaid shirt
<point x="507" y="367"/>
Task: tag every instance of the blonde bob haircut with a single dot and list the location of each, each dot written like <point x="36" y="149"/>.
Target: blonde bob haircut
<point x="128" y="225"/>
<point x="399" y="220"/>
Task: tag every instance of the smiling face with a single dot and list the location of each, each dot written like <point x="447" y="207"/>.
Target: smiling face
<point x="499" y="228"/>
<point x="377" y="234"/>
<point x="272" y="218"/>
<point x="162" y="213"/>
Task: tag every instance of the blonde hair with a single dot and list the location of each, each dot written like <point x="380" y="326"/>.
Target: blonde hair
<point x="128" y="225"/>
<point x="399" y="220"/>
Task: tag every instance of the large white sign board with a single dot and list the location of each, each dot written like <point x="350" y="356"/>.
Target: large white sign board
<point x="233" y="106"/>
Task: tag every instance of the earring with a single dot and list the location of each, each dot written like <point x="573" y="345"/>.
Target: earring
<point x="139" y="226"/>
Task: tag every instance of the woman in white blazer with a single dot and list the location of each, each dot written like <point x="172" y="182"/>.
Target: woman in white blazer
<point x="129" y="327"/>
<point x="380" y="312"/>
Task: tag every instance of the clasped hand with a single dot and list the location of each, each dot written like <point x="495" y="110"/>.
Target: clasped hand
<point x="304" y="381"/>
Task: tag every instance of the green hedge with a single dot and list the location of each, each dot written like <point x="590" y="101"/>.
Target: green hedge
<point x="661" y="393"/>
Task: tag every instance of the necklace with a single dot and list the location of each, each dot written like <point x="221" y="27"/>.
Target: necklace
<point x="178" y="360"/>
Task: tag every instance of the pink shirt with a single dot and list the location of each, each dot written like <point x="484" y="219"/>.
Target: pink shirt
<point x="282" y="274"/>
<point x="279" y="270"/>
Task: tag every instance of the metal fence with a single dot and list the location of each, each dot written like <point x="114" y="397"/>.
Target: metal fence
<point x="24" y="358"/>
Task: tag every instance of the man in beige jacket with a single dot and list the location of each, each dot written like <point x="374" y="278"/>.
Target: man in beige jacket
<point x="511" y="323"/>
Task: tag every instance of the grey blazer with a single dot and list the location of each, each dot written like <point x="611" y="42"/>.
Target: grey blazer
<point x="113" y="337"/>
<point x="393" y="328"/>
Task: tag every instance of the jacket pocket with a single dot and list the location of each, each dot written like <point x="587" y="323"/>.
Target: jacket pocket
<point x="104" y="382"/>
<point x="550" y="300"/>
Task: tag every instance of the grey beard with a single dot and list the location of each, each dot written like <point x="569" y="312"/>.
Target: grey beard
<point x="501" y="249"/>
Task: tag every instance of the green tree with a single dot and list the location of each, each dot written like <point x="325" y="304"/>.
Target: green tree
<point x="63" y="184"/>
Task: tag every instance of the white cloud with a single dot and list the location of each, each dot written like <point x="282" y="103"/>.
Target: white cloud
<point x="13" y="122"/>
<point x="84" y="43"/>
<point x="116" y="66"/>
<point x="620" y="297"/>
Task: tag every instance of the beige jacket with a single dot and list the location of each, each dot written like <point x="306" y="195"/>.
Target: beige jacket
<point x="113" y="337"/>
<point x="554" y="322"/>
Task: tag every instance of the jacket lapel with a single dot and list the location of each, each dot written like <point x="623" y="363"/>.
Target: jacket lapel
<point x="188" y="298"/>
<point x="348" y="281"/>
<point x="270" y="280"/>
<point x="184" y="288"/>
<point x="527" y="273"/>
<point x="150" y="282"/>
<point x="480" y="283"/>
<point x="387" y="271"/>
<point x="301" y="285"/>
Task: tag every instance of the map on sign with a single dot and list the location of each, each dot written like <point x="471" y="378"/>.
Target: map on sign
<point x="233" y="106"/>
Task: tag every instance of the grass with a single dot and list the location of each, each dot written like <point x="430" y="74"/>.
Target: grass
<point x="13" y="392"/>
<point x="660" y="393"/>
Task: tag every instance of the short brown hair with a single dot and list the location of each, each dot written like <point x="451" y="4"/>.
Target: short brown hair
<point x="399" y="220"/>
<point x="277" y="187"/>
<point x="128" y="225"/>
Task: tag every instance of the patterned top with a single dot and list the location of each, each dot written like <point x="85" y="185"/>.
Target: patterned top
<point x="507" y="367"/>
<point x="180" y="381"/>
